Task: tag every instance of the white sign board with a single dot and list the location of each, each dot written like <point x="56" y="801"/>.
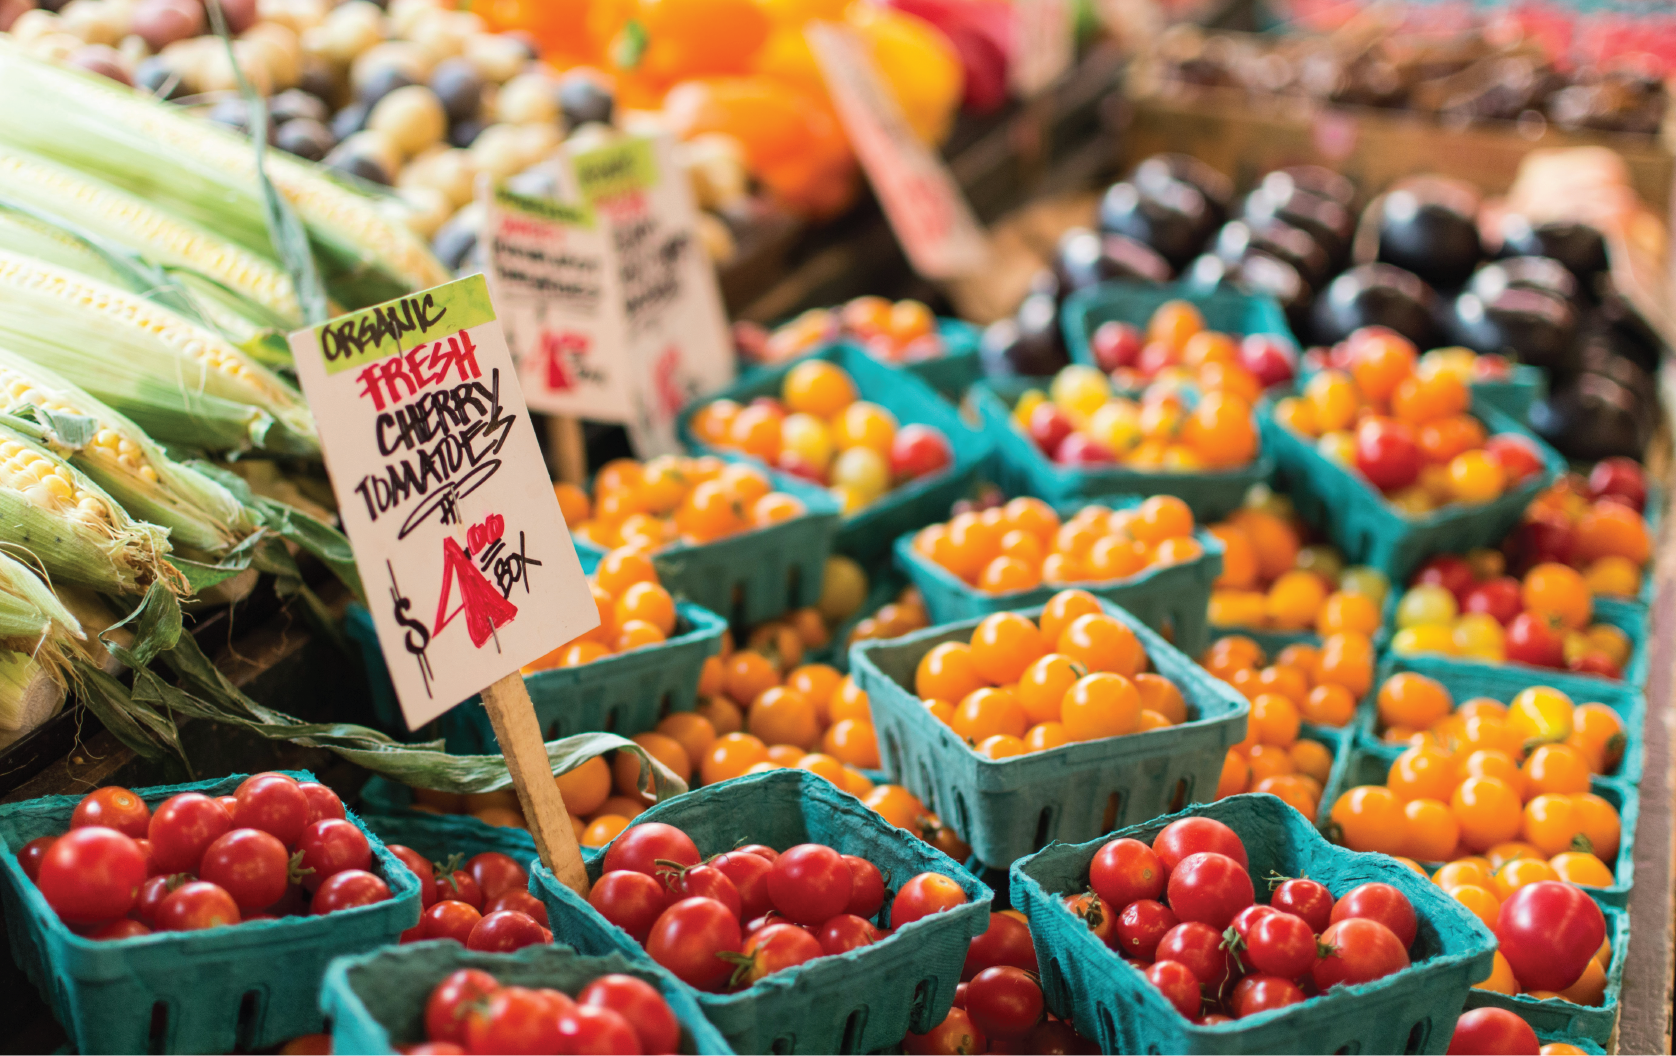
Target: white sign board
<point x="470" y="573"/>
<point x="919" y="196"/>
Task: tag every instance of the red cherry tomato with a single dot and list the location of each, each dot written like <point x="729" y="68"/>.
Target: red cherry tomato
<point x="114" y="808"/>
<point x="749" y="873"/>
<point x="1493" y="1032"/>
<point x="1199" y="947"/>
<point x="1125" y="871"/>
<point x="1192" y="835"/>
<point x="145" y="848"/>
<point x="1209" y="887"/>
<point x="1519" y="458"/>
<point x="1380" y="902"/>
<point x="1621" y="478"/>
<point x="152" y="893"/>
<point x="688" y="936"/>
<point x="775" y="948"/>
<point x="503" y="931"/>
<point x="497" y="874"/>
<point x="1306" y="898"/>
<point x="348" y="889"/>
<point x="704" y="881"/>
<point x="329" y="847"/>
<point x="867" y="887"/>
<point x="249" y="864"/>
<point x="1005" y="941"/>
<point x="1449" y="571"/>
<point x="1387" y="454"/>
<point x="590" y="1030"/>
<point x="632" y="904"/>
<point x="514" y="1019"/>
<point x="846" y="932"/>
<point x="32" y="853"/>
<point x="766" y="920"/>
<point x="810" y="883"/>
<point x="323" y="803"/>
<point x="125" y="928"/>
<point x="924" y="895"/>
<point x="956" y="1034"/>
<point x="448" y="919"/>
<point x="639" y="1002"/>
<point x="196" y="905"/>
<point x="1004" y="1002"/>
<point x="641" y="847"/>
<point x="1179" y="986"/>
<point x="1260" y="993"/>
<point x="520" y="901"/>
<point x="182" y="828"/>
<point x="453" y="1000"/>
<point x="1548" y="931"/>
<point x="760" y="850"/>
<point x="274" y="804"/>
<point x="1499" y="597"/>
<point x="1358" y="950"/>
<point x="918" y="451"/>
<point x="1096" y="913"/>
<point x="91" y="875"/>
<point x="1280" y="944"/>
<point x="1141" y="926"/>
<point x="422" y="870"/>
<point x="1531" y="640"/>
<point x="458" y="886"/>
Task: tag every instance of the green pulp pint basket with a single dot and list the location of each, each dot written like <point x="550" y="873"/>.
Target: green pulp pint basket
<point x="1225" y="311"/>
<point x="622" y="693"/>
<point x="861" y="1001"/>
<point x="1171" y="599"/>
<point x="1010" y="808"/>
<point x="1022" y="469"/>
<point x="1554" y="1016"/>
<point x="756" y="575"/>
<point x="249" y="986"/>
<point x="1369" y="529"/>
<point x="1370" y="764"/>
<point x="867" y="534"/>
<point x="1111" y="1001"/>
<point x="376" y="1001"/>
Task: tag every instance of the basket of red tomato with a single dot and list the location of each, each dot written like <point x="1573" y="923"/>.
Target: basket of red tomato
<point x="1234" y="927"/>
<point x="194" y="918"/>
<point x="798" y="919"/>
<point x="544" y="999"/>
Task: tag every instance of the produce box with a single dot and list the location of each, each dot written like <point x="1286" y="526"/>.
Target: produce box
<point x="950" y="374"/>
<point x="1022" y="469"/>
<point x="624" y="691"/>
<point x="756" y="575"/>
<point x="860" y="1001"/>
<point x="376" y="1002"/>
<point x="1226" y="311"/>
<point x="1016" y="806"/>
<point x="249" y="986"/>
<point x="1554" y="1016"/>
<point x="1171" y="599"/>
<point x="1369" y="529"/>
<point x="1110" y="999"/>
<point x="868" y="533"/>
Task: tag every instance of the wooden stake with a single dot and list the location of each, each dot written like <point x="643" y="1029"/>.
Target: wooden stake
<point x="565" y="448"/>
<point x="513" y="718"/>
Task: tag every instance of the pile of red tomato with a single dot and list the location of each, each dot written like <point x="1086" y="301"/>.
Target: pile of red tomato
<point x="725" y="922"/>
<point x="484" y="905"/>
<point x="276" y="847"/>
<point x="471" y="1012"/>
<point x="1185" y="912"/>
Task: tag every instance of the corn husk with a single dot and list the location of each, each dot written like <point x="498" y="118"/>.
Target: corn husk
<point x="181" y="383"/>
<point x="204" y="174"/>
<point x="31" y="692"/>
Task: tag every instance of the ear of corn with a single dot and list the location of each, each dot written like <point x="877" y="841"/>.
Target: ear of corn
<point x="31" y="692"/>
<point x="31" y="614"/>
<point x="206" y="175"/>
<point x="146" y="229"/>
<point x="179" y="382"/>
<point x="55" y="517"/>
<point x="199" y="513"/>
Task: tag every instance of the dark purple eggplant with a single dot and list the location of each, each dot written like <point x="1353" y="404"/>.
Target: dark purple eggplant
<point x="1522" y="323"/>
<point x="1376" y="295"/>
<point x="1578" y="246"/>
<point x="1157" y="172"/>
<point x="1277" y="238"/>
<point x="1029" y="344"/>
<point x="1427" y="227"/>
<point x="1174" y="219"/>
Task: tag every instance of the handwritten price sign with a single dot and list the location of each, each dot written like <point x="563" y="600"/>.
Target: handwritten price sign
<point x="440" y="482"/>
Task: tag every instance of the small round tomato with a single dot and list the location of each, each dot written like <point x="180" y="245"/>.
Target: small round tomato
<point x="1209" y="887"/>
<point x="322" y="802"/>
<point x="1381" y="902"/>
<point x="249" y="864"/>
<point x="810" y="883"/>
<point x="1280" y="944"/>
<point x="641" y="847"/>
<point x="847" y="932"/>
<point x="688" y="937"/>
<point x="761" y="850"/>
<point x="512" y="1019"/>
<point x="458" y="886"/>
<point x="91" y="875"/>
<point x="1497" y="597"/>
<point x="422" y="870"/>
<point x="639" y="1002"/>
<point x="1387" y="453"/>
<point x="1179" y="986"/>
<point x="924" y="895"/>
<point x="1493" y="1032"/>
<point x="152" y="894"/>
<point x="518" y="901"/>
<point x="503" y="931"/>
<point x="1306" y="898"/>
<point x="196" y="905"/>
<point x="346" y="890"/>
<point x="632" y="901"/>
<point x="1199" y="947"/>
<point x="182" y="828"/>
<point x="867" y="887"/>
<point x="1260" y="993"/>
<point x="1005" y="941"/>
<point x="330" y="846"/>
<point x="749" y="873"/>
<point x="453" y="999"/>
<point x="448" y="919"/>
<point x="496" y="874"/>
<point x="1125" y="871"/>
<point x="1549" y="931"/>
<point x="273" y="803"/>
<point x="1192" y="835"/>
<point x="956" y="1034"/>
<point x="773" y="949"/>
<point x="1092" y="910"/>
<point x="1532" y="640"/>
<point x="587" y="1029"/>
<point x="1004" y="1002"/>
<point x="114" y="808"/>
<point x="32" y="853"/>
<point x="124" y="928"/>
<point x="1140" y="926"/>
<point x="917" y="451"/>
<point x="1358" y="951"/>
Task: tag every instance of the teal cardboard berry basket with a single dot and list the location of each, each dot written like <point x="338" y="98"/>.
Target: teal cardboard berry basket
<point x="1369" y="529"/>
<point x="247" y="986"/>
<point x="1022" y="469"/>
<point x="1111" y="1001"/>
<point x="867" y="534"/>
<point x="1171" y="599"/>
<point x="1225" y="311"/>
<point x="756" y="575"/>
<point x="1009" y="808"/>
<point x="376" y="1002"/>
<point x="439" y="837"/>
<point x="861" y="1001"/>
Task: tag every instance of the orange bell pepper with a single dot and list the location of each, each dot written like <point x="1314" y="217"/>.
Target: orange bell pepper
<point x="917" y="61"/>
